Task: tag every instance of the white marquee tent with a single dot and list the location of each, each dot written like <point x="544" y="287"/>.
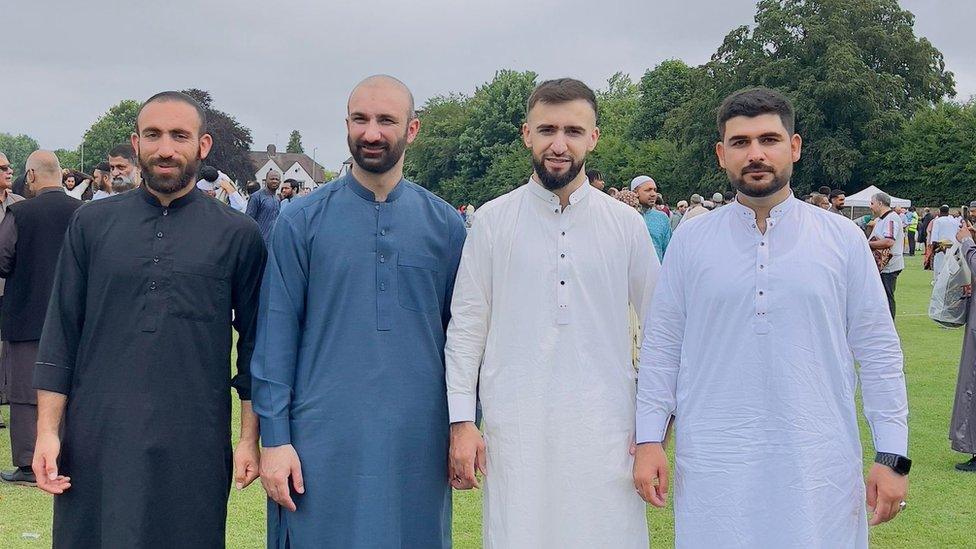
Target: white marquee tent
<point x="862" y="199"/>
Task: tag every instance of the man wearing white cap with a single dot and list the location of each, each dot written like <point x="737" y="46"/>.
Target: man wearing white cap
<point x="657" y="221"/>
<point x="678" y="214"/>
<point x="718" y="200"/>
<point x="696" y="209"/>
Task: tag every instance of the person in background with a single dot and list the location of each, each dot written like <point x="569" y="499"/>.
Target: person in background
<point x="612" y="191"/>
<point x="263" y="206"/>
<point x="7" y="197"/>
<point x="102" y="181"/>
<point x="657" y="222"/>
<point x="124" y="167"/>
<point x="288" y="192"/>
<point x="941" y="236"/>
<point x="962" y="426"/>
<point x="718" y="200"/>
<point x="911" y="229"/>
<point x="696" y="208"/>
<point x="596" y="179"/>
<point x="837" y="198"/>
<point x="888" y="233"/>
<point x="678" y="214"/>
<point x="629" y="198"/>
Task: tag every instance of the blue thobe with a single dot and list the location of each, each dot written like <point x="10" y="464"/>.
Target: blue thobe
<point x="349" y="365"/>
<point x="659" y="225"/>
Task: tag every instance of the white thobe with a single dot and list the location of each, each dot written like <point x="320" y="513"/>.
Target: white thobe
<point x="539" y="331"/>
<point x="751" y="345"/>
<point x="942" y="229"/>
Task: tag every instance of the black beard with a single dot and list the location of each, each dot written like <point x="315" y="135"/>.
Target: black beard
<point x="778" y="182"/>
<point x="552" y="181"/>
<point x="384" y="162"/>
<point x="169" y="185"/>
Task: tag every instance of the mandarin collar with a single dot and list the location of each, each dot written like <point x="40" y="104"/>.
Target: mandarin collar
<point x="545" y="194"/>
<point x="777" y="212"/>
<point x="151" y="199"/>
<point x="367" y="194"/>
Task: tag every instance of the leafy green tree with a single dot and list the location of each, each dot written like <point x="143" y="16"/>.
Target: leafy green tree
<point x="17" y="148"/>
<point x="295" y="142"/>
<point x="660" y="91"/>
<point x="111" y="129"/>
<point x="71" y="160"/>
<point x="432" y="157"/>
<point x="231" y="140"/>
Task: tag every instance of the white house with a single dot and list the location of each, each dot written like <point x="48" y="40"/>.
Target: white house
<point x="297" y="166"/>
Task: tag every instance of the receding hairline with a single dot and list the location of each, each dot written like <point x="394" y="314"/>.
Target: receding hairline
<point x="45" y="162"/>
<point x="176" y="97"/>
<point x="385" y="79"/>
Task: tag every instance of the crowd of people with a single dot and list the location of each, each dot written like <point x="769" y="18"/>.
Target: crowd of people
<point x="392" y="347"/>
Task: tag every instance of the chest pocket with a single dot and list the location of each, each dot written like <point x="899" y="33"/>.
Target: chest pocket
<point x="198" y="292"/>
<point x="417" y="283"/>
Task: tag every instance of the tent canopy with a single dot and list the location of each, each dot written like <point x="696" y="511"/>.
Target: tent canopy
<point x="862" y="199"/>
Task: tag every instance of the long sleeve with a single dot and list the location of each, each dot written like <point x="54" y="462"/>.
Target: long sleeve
<point x="253" y="206"/>
<point x="245" y="295"/>
<point x="642" y="271"/>
<point x="456" y="245"/>
<point x="65" y="317"/>
<point x="467" y="332"/>
<point x="8" y="244"/>
<point x="660" y="355"/>
<point x="280" y="317"/>
<point x="237" y="202"/>
<point x="874" y="343"/>
<point x="666" y="240"/>
<point x="969" y="253"/>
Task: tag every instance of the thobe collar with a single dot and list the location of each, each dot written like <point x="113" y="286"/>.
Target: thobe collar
<point x="367" y="194"/>
<point x="545" y="194"/>
<point x="151" y="199"/>
<point x="747" y="215"/>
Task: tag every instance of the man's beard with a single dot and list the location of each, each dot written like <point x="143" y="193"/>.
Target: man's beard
<point x="760" y="190"/>
<point x="122" y="183"/>
<point x="552" y="181"/>
<point x="173" y="184"/>
<point x="384" y="162"/>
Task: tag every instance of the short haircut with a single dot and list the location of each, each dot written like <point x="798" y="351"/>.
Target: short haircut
<point x="943" y="210"/>
<point x="593" y="175"/>
<point x="125" y="151"/>
<point x="911" y="208"/>
<point x="835" y="193"/>
<point x="824" y="190"/>
<point x="728" y="196"/>
<point x="103" y="167"/>
<point x="562" y="90"/>
<point x="180" y="97"/>
<point x="882" y="198"/>
<point x="752" y="102"/>
<point x="252" y="187"/>
<point x="293" y="183"/>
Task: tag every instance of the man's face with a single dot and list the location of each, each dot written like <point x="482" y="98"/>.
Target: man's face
<point x="380" y="126"/>
<point x="647" y="194"/>
<point x="597" y="184"/>
<point x="6" y="172"/>
<point x="560" y="136"/>
<point x="123" y="173"/>
<point x="287" y="191"/>
<point x="838" y="201"/>
<point x="876" y="207"/>
<point x="272" y="181"/>
<point x="169" y="145"/>
<point x="682" y="209"/>
<point x="758" y="154"/>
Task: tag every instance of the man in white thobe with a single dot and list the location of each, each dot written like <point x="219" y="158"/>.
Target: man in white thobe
<point x="758" y="319"/>
<point x="942" y="235"/>
<point x="539" y="332"/>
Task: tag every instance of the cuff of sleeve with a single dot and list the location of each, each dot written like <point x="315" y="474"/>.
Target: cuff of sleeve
<point x="275" y="431"/>
<point x="462" y="407"/>
<point x="891" y="438"/>
<point x="51" y="377"/>
<point x="652" y="428"/>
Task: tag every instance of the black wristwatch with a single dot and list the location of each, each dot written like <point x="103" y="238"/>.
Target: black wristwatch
<point x="899" y="464"/>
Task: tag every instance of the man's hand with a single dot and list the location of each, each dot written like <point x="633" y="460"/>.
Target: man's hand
<point x="227" y="186"/>
<point x="277" y="465"/>
<point x="651" y="473"/>
<point x="886" y="490"/>
<point x="965" y="231"/>
<point x="467" y="454"/>
<point x="247" y="460"/>
<point x="45" y="464"/>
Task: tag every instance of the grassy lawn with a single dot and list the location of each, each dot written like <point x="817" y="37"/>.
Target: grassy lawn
<point x="942" y="512"/>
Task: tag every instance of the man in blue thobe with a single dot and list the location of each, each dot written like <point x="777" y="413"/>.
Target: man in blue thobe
<point x="348" y="369"/>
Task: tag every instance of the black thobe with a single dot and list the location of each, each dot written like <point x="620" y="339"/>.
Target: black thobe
<point x="138" y="336"/>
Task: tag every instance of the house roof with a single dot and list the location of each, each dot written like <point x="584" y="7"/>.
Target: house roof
<point x="285" y="160"/>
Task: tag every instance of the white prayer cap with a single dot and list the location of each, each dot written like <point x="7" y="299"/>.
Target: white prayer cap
<point x="205" y="185"/>
<point x="682" y="203"/>
<point x="708" y="204"/>
<point x="717" y="197"/>
<point x="696" y="199"/>
<point x="636" y="182"/>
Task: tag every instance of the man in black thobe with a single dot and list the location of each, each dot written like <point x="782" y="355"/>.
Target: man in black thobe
<point x="135" y="354"/>
<point x="30" y="238"/>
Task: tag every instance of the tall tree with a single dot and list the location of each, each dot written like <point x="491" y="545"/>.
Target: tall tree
<point x="660" y="90"/>
<point x="17" y="148"/>
<point x="295" y="143"/>
<point x="111" y="129"/>
<point x="432" y="157"/>
<point x="231" y="140"/>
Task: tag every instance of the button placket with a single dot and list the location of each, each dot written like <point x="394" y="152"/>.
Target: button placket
<point x="762" y="281"/>
<point x="563" y="271"/>
<point x="384" y="269"/>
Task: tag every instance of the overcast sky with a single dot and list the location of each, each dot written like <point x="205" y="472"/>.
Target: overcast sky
<point x="292" y="67"/>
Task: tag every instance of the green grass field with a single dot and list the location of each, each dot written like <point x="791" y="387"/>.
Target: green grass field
<point x="942" y="510"/>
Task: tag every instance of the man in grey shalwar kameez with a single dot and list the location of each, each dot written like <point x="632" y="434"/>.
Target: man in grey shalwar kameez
<point x="962" y="428"/>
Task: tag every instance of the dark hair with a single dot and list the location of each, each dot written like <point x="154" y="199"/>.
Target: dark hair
<point x="752" y="102"/>
<point x="835" y="193"/>
<point x="293" y="183"/>
<point x="728" y="196"/>
<point x="252" y="187"/>
<point x="824" y="190"/>
<point x="124" y="150"/>
<point x="594" y="174"/>
<point x="943" y="210"/>
<point x="180" y="97"/>
<point x="209" y="173"/>
<point x="562" y="90"/>
<point x="911" y="208"/>
<point x="103" y="167"/>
